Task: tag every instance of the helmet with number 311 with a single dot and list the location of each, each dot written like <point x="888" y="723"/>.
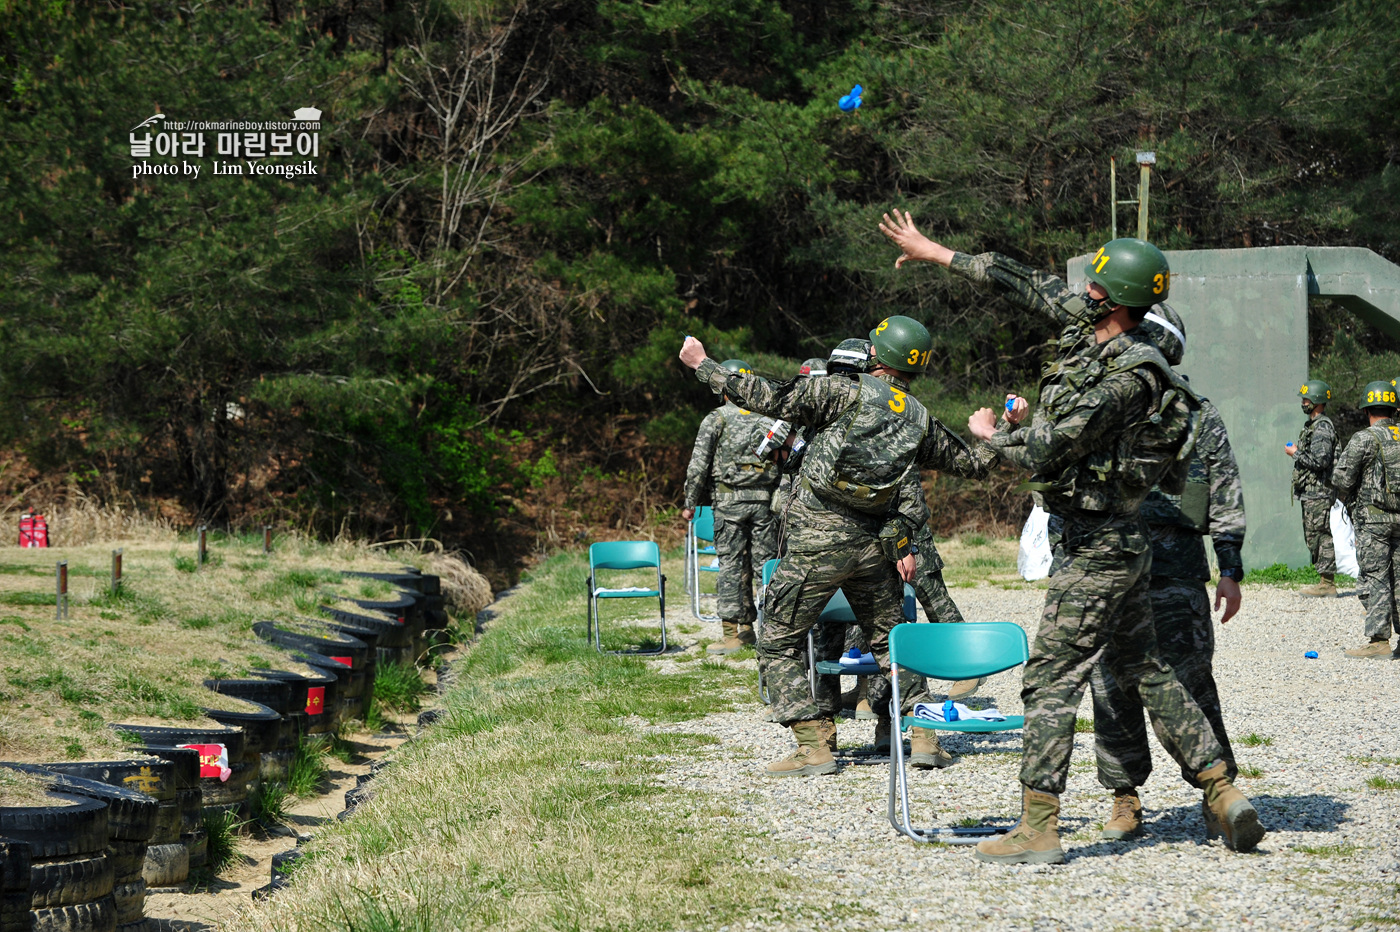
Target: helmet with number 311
<point x="1133" y="272"/>
<point x="902" y="343"/>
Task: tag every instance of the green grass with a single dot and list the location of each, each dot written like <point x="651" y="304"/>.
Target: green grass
<point x="28" y="598"/>
<point x="1084" y="726"/>
<point x="308" y="766"/>
<point x="1251" y="772"/>
<point x="1328" y="851"/>
<point x="1253" y="740"/>
<point x="1390" y="761"/>
<point x="1282" y="573"/>
<point x="1383" y="783"/>
<point x="399" y="687"/>
<point x="533" y="802"/>
<point x="268" y="802"/>
<point x="222" y="829"/>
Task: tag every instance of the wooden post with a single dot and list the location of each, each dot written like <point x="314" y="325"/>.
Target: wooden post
<point x="61" y="594"/>
<point x="267" y="538"/>
<point x="203" y="545"/>
<point x="1145" y="162"/>
<point x="116" y="570"/>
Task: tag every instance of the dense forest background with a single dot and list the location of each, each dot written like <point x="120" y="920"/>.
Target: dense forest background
<point x="465" y="325"/>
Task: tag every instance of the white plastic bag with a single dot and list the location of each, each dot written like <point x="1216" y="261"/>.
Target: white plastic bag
<point x="1034" y="558"/>
<point x="1344" y="541"/>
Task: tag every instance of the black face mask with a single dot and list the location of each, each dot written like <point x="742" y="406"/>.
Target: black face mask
<point x="1098" y="308"/>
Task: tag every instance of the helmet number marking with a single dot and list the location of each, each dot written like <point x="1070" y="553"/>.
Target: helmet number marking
<point x="1380" y="398"/>
<point x="897" y="402"/>
<point x="917" y="358"/>
<point x="1100" y="260"/>
<point x="883" y="324"/>
<point x="1161" y="282"/>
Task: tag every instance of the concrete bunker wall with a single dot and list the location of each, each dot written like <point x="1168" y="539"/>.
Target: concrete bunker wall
<point x="1246" y="313"/>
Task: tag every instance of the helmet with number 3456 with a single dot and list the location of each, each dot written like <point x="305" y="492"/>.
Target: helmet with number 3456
<point x="902" y="343"/>
<point x="1133" y="272"/>
<point x="1378" y="395"/>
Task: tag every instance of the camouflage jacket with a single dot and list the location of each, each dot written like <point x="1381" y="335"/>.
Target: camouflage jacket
<point x="1358" y="478"/>
<point x="723" y="465"/>
<point x="1213" y="503"/>
<point x="1313" y="460"/>
<point x="1087" y="422"/>
<point x="814" y="524"/>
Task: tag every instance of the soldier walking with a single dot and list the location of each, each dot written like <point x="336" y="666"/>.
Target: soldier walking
<point x="726" y="469"/>
<point x="1312" y="474"/>
<point x="1212" y="503"/>
<point x="1113" y="418"/>
<point x="1368" y="474"/>
<point x="848" y="525"/>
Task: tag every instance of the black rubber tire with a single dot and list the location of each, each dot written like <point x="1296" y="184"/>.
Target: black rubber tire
<point x="191" y="803"/>
<point x="167" y="828"/>
<point x="147" y="774"/>
<point x="14" y="885"/>
<point x="14" y="912"/>
<point x="70" y="881"/>
<point x="131" y="816"/>
<point x="140" y="925"/>
<point x="128" y="859"/>
<point x="166" y="865"/>
<point x="130" y="898"/>
<point x="95" y="916"/>
<point x="298" y="684"/>
<point x="261" y="727"/>
<point x="388" y="632"/>
<point x="221" y="793"/>
<point x="317" y="638"/>
<point x="174" y="736"/>
<point x="183" y="761"/>
<point x="73" y="827"/>
<point x="273" y="694"/>
<point x="408" y="579"/>
<point x="281" y="859"/>
<point x="370" y="636"/>
<point x="197" y="843"/>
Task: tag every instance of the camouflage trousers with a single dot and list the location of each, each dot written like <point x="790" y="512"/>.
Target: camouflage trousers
<point x="1098" y="607"/>
<point x="1317" y="534"/>
<point x="746" y="537"/>
<point x="1186" y="642"/>
<point x="1378" y="556"/>
<point x="797" y="593"/>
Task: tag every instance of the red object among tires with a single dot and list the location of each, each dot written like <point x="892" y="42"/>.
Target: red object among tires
<point x="33" y="530"/>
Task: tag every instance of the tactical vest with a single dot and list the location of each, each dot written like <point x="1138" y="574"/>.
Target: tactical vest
<point x="1155" y="450"/>
<point x="860" y="460"/>
<point x="738" y="472"/>
<point x="1383" y="491"/>
<point x="1305" y="479"/>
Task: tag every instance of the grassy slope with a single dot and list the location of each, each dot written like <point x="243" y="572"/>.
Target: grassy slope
<point x="143" y="655"/>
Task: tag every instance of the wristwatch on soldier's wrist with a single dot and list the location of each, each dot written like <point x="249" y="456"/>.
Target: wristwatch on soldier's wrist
<point x="1235" y="572"/>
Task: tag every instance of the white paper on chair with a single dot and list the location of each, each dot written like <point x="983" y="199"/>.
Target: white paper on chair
<point x="715" y="563"/>
<point x="1344" y="540"/>
<point x="935" y="712"/>
<point x="1034" y="557"/>
<point x="625" y="589"/>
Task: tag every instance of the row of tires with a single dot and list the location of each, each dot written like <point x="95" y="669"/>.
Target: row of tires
<point x="110" y="831"/>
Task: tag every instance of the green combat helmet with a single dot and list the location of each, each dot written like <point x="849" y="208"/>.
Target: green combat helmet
<point x="1318" y="392"/>
<point x="737" y="365"/>
<point x="1377" y="394"/>
<point x="1132" y="271"/>
<point x="813" y="368"/>
<point x="902" y="343"/>
<point x="850" y="357"/>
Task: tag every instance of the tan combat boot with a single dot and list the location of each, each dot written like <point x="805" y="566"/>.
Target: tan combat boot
<point x="1127" y="816"/>
<point x="1228" y="813"/>
<point x="746" y="635"/>
<point x="964" y="688"/>
<point x="828" y="728"/>
<point x="1377" y="647"/>
<point x="1035" y="840"/>
<point x="812" y="756"/>
<point x="863" y="710"/>
<point x="731" y="642"/>
<point x="1326" y="588"/>
<point x="882" y="736"/>
<point x="925" y="752"/>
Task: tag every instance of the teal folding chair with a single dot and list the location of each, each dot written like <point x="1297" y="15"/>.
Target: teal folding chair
<point x="702" y="529"/>
<point x="623" y="555"/>
<point x="948" y="652"/>
<point x="838" y="612"/>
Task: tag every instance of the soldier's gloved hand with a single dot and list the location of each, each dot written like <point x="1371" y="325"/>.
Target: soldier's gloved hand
<point x="895" y="542"/>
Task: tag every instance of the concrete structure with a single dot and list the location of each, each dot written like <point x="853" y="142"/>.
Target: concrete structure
<point x="1246" y="313"/>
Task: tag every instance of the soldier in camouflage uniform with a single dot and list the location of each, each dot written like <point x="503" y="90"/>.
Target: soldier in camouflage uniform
<point x="1212" y="503"/>
<point x="848" y="523"/>
<point x="1368" y="478"/>
<point x="1113" y="418"/>
<point x="725" y="468"/>
<point x="1312" y="473"/>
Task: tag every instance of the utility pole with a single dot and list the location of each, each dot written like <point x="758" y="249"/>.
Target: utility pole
<point x="1145" y="162"/>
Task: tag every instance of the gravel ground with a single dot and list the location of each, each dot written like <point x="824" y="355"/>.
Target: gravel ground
<point x="1331" y="859"/>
